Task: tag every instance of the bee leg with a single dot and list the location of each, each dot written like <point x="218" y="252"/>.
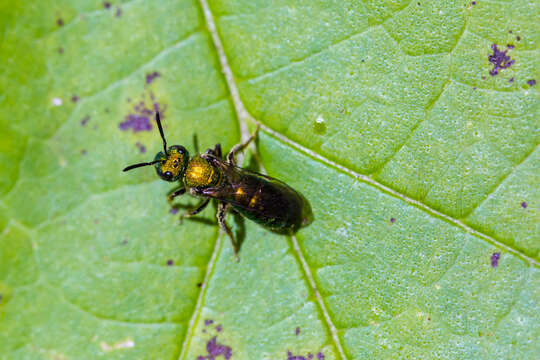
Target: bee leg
<point x="196" y="210"/>
<point x="222" y="211"/>
<point x="174" y="193"/>
<point x="240" y="147"/>
<point x="216" y="151"/>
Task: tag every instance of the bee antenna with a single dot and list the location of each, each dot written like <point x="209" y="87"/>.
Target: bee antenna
<point x="141" y="164"/>
<point x="161" y="133"/>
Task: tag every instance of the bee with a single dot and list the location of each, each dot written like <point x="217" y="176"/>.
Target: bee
<point x="260" y="198"/>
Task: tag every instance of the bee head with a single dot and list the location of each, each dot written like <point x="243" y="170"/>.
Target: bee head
<point x="170" y="166"/>
<point x="170" y="163"/>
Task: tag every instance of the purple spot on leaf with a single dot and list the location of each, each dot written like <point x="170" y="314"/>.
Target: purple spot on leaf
<point x="215" y="349"/>
<point x="173" y="211"/>
<point x="141" y="147"/>
<point x="474" y="3"/>
<point x="524" y="205"/>
<point x="320" y="356"/>
<point x="510" y="46"/>
<point x="219" y="328"/>
<point x="297" y="332"/>
<point x="518" y="38"/>
<point x="310" y="356"/>
<point x="511" y="80"/>
<point x="107" y="5"/>
<point x="141" y="117"/>
<point x="495" y="259"/>
<point x="136" y="122"/>
<point x="74" y="98"/>
<point x="499" y="59"/>
<point x="151" y="76"/>
<point x="531" y="82"/>
<point x="60" y="22"/>
<point x="85" y="120"/>
<point x="208" y="322"/>
<point x="170" y="262"/>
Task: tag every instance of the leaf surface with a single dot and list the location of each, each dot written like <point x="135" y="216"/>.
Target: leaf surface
<point x="422" y="170"/>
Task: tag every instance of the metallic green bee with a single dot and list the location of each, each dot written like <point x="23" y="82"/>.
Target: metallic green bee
<point x="260" y="198"/>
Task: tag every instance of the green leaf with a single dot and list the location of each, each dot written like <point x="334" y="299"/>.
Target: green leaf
<point x="421" y="168"/>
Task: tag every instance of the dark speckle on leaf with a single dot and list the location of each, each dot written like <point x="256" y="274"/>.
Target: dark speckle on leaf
<point x="531" y="82"/>
<point x="392" y="220"/>
<point x="495" y="259"/>
<point x="85" y="120"/>
<point x="151" y="76"/>
<point x="524" y="205"/>
<point x="208" y="322"/>
<point x="60" y="50"/>
<point x="107" y="5"/>
<point x="219" y="328"/>
<point x="499" y="59"/>
<point x="60" y="22"/>
<point x="74" y="98"/>
<point x="510" y="46"/>
<point x="474" y="3"/>
<point x="83" y="152"/>
<point x="518" y="38"/>
<point x="511" y="80"/>
<point x="118" y="12"/>
<point x="297" y="331"/>
<point x="199" y="284"/>
<point x="170" y="262"/>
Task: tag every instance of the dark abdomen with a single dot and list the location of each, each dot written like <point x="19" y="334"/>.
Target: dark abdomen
<point x="268" y="202"/>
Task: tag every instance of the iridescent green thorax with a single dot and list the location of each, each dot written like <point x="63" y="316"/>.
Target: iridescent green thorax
<point x="171" y="166"/>
<point x="200" y="172"/>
